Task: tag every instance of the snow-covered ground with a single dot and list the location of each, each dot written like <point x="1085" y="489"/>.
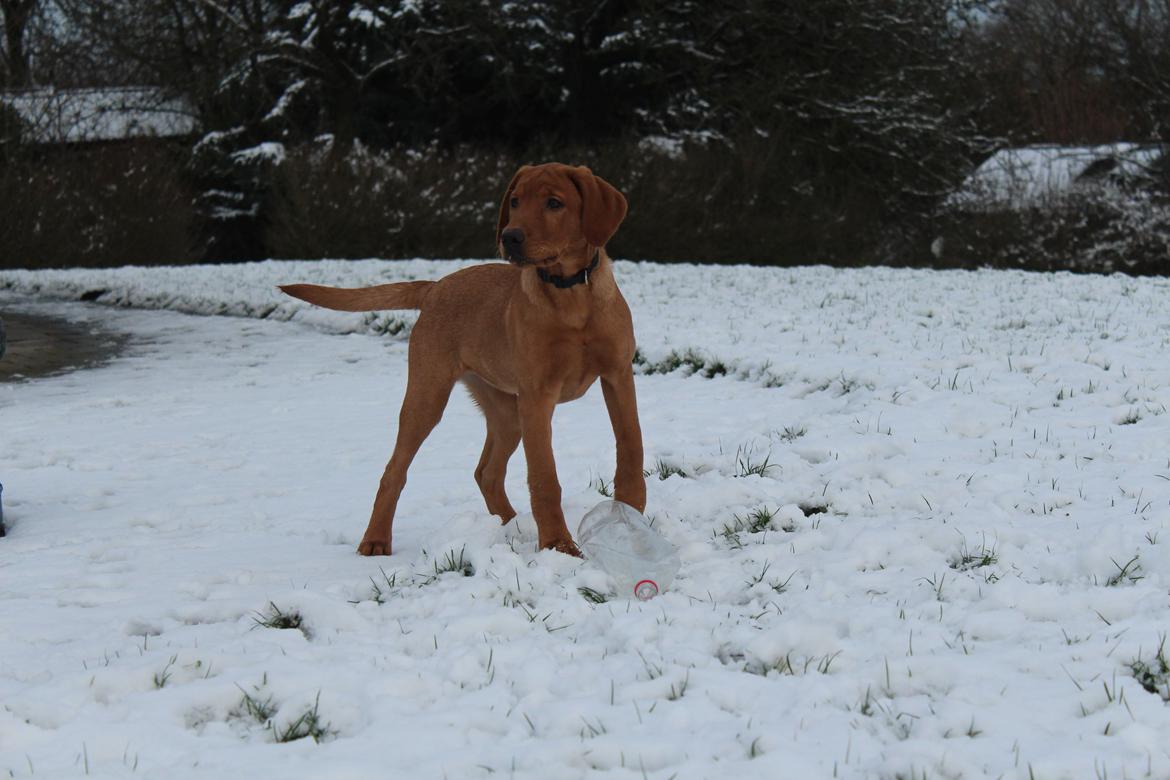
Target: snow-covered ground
<point x="952" y="557"/>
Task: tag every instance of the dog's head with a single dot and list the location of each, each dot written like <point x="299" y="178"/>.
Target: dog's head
<point x="553" y="211"/>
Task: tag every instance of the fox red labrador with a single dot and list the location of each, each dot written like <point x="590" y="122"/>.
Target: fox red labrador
<point x="523" y="336"/>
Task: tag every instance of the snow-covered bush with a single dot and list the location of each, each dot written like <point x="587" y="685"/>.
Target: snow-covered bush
<point x="397" y="202"/>
<point x="1101" y="229"/>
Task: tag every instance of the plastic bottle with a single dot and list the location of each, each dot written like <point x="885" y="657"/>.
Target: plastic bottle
<point x="617" y="538"/>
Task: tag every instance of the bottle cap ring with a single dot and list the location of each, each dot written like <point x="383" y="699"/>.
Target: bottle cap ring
<point x="645" y="590"/>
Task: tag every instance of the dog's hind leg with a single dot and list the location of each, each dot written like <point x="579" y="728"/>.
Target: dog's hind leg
<point x="428" y="387"/>
<point x="503" y="437"/>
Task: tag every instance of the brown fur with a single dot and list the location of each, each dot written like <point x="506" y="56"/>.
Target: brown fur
<point x="401" y="295"/>
<point x="520" y="345"/>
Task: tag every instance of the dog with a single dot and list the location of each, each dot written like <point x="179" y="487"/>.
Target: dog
<point x="522" y="336"/>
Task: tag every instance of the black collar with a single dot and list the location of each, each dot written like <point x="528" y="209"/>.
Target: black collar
<point x="563" y="282"/>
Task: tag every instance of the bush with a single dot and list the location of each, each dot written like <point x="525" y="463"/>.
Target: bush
<point x="96" y="206"/>
<point x="391" y="203"/>
<point x="707" y="202"/>
<point x="11" y="129"/>
<point x="1099" y="229"/>
<point x="690" y="200"/>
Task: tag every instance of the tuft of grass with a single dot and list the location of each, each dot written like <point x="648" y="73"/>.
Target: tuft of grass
<point x="751" y="582"/>
<point x="1131" y="417"/>
<point x="279" y="618"/>
<point x="1153" y="675"/>
<point x="591" y="595"/>
<point x="826" y="662"/>
<point x="389" y="582"/>
<point x="653" y="670"/>
<point x="454" y="563"/>
<point x="307" y="724"/>
<point x="714" y="368"/>
<point x="866" y="705"/>
<point x="592" y="729"/>
<point x="161" y="678"/>
<point x="785" y="665"/>
<point x="936" y="583"/>
<point x="792" y="432"/>
<point x="602" y="487"/>
<point x="665" y="470"/>
<point x="848" y="385"/>
<point x="383" y="325"/>
<point x="1126" y="574"/>
<point x="770" y="380"/>
<point x="968" y="559"/>
<point x="754" y="522"/>
<point x="746" y="465"/>
<point x="730" y="535"/>
<point x="759" y="519"/>
<point x="379" y="591"/>
<point x="256" y="706"/>
<point x="779" y="586"/>
<point x="690" y="359"/>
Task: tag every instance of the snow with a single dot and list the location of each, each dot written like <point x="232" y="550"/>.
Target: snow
<point x="269" y="151"/>
<point x="1033" y="175"/>
<point x="969" y="546"/>
<point x="365" y="17"/>
<point x="663" y="145"/>
<point x="54" y="116"/>
<point x="280" y="108"/>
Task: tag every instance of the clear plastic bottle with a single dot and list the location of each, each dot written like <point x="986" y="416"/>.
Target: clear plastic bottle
<point x="617" y="538"/>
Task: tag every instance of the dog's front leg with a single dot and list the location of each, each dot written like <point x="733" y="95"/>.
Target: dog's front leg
<point x="629" y="481"/>
<point x="536" y="411"/>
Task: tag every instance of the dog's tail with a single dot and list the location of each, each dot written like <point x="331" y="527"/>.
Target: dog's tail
<point x="400" y="295"/>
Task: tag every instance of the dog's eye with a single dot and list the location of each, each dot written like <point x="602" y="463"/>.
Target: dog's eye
<point x="554" y="204"/>
<point x="514" y="203"/>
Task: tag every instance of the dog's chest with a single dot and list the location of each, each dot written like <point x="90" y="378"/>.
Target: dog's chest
<point x="579" y="361"/>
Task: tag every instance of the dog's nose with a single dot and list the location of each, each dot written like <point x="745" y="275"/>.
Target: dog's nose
<point x="513" y="241"/>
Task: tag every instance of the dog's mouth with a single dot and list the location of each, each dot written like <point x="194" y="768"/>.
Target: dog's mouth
<point x="538" y="262"/>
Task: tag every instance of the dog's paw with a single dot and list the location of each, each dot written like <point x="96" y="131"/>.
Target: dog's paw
<point x="374" y="547"/>
<point x="566" y="546"/>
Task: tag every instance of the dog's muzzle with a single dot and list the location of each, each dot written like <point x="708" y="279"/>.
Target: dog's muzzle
<point x="512" y="241"/>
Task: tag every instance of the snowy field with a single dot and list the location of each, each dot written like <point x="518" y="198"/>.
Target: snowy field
<point x="924" y="520"/>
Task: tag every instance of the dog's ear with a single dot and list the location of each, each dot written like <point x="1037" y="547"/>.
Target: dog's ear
<point x="602" y="207"/>
<point x="505" y="211"/>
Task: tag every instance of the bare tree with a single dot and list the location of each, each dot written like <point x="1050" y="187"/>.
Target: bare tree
<point x="1140" y="30"/>
<point x="184" y="46"/>
<point x="1078" y="71"/>
<point x="15" y="57"/>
